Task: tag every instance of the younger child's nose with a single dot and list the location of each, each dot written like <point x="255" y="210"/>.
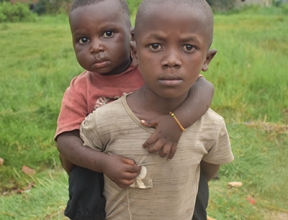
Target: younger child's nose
<point x="96" y="47"/>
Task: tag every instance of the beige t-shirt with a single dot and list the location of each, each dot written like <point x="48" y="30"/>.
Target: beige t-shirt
<point x="166" y="189"/>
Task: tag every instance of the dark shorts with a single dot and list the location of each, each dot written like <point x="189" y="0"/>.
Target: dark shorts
<point x="202" y="198"/>
<point x="86" y="200"/>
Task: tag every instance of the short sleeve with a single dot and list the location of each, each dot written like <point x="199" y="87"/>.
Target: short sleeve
<point x="220" y="152"/>
<point x="73" y="111"/>
<point x="89" y="133"/>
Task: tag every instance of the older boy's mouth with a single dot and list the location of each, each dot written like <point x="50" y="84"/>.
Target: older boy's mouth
<point x="168" y="81"/>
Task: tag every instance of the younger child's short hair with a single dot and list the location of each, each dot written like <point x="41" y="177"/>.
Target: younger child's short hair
<point x="79" y="3"/>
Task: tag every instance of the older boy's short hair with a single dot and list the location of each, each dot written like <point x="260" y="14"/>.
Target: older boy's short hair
<point x="200" y="5"/>
<point x="122" y="3"/>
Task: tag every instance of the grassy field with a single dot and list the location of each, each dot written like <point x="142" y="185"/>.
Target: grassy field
<point x="250" y="78"/>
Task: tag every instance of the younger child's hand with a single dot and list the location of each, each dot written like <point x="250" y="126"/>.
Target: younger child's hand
<point x="165" y="138"/>
<point x="121" y="170"/>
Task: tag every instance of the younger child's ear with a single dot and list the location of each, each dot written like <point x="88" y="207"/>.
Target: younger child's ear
<point x="209" y="56"/>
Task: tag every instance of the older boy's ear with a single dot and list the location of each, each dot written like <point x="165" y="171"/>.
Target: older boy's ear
<point x="133" y="51"/>
<point x="132" y="32"/>
<point x="209" y="56"/>
<point x="133" y="47"/>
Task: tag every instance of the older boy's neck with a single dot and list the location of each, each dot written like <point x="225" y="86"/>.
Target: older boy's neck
<point x="147" y="105"/>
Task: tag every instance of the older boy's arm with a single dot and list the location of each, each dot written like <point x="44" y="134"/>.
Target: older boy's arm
<point x="209" y="170"/>
<point x="165" y="139"/>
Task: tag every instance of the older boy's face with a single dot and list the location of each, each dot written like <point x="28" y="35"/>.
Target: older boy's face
<point x="172" y="48"/>
<point x="101" y="37"/>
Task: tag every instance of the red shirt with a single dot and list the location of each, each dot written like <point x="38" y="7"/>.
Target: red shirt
<point x="89" y="91"/>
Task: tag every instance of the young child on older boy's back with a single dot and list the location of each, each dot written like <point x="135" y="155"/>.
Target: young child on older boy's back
<point x="171" y="54"/>
<point x="101" y="38"/>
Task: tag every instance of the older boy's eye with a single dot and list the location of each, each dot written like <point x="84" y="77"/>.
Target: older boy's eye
<point x="108" y="34"/>
<point x="155" y="46"/>
<point x="83" y="40"/>
<point x="188" y="47"/>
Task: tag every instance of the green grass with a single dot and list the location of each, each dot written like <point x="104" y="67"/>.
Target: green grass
<point x="46" y="200"/>
<point x="37" y="63"/>
<point x="250" y="79"/>
<point x="249" y="70"/>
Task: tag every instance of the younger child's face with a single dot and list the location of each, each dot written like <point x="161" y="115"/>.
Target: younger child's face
<point x="101" y="37"/>
<point x="172" y="47"/>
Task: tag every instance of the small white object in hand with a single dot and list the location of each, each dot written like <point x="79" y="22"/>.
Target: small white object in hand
<point x="138" y="182"/>
<point x="143" y="173"/>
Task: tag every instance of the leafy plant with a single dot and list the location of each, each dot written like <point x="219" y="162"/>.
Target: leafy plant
<point x="221" y="5"/>
<point x="51" y="7"/>
<point x="278" y="3"/>
<point x="15" y="12"/>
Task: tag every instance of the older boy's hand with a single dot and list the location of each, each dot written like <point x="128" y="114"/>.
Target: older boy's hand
<point x="165" y="138"/>
<point x="121" y="170"/>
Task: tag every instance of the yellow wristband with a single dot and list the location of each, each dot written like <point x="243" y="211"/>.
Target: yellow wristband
<point x="177" y="121"/>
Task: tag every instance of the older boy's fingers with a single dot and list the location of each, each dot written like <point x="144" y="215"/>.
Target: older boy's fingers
<point x="172" y="151"/>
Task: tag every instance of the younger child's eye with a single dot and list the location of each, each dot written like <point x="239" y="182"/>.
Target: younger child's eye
<point x="155" y="46"/>
<point x="83" y="40"/>
<point x="108" y="34"/>
<point x="188" y="47"/>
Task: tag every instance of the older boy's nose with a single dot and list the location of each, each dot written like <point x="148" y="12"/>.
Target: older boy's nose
<point x="171" y="59"/>
<point x="96" y="47"/>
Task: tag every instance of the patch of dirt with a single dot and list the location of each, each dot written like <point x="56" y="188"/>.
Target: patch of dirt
<point x="269" y="127"/>
<point x="277" y="216"/>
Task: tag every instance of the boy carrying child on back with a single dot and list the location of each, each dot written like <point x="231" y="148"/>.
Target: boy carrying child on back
<point x="101" y="33"/>
<point x="171" y="54"/>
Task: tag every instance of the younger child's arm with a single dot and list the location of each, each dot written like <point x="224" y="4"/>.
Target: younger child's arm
<point x="66" y="143"/>
<point x="121" y="170"/>
<point x="167" y="134"/>
<point x="66" y="164"/>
